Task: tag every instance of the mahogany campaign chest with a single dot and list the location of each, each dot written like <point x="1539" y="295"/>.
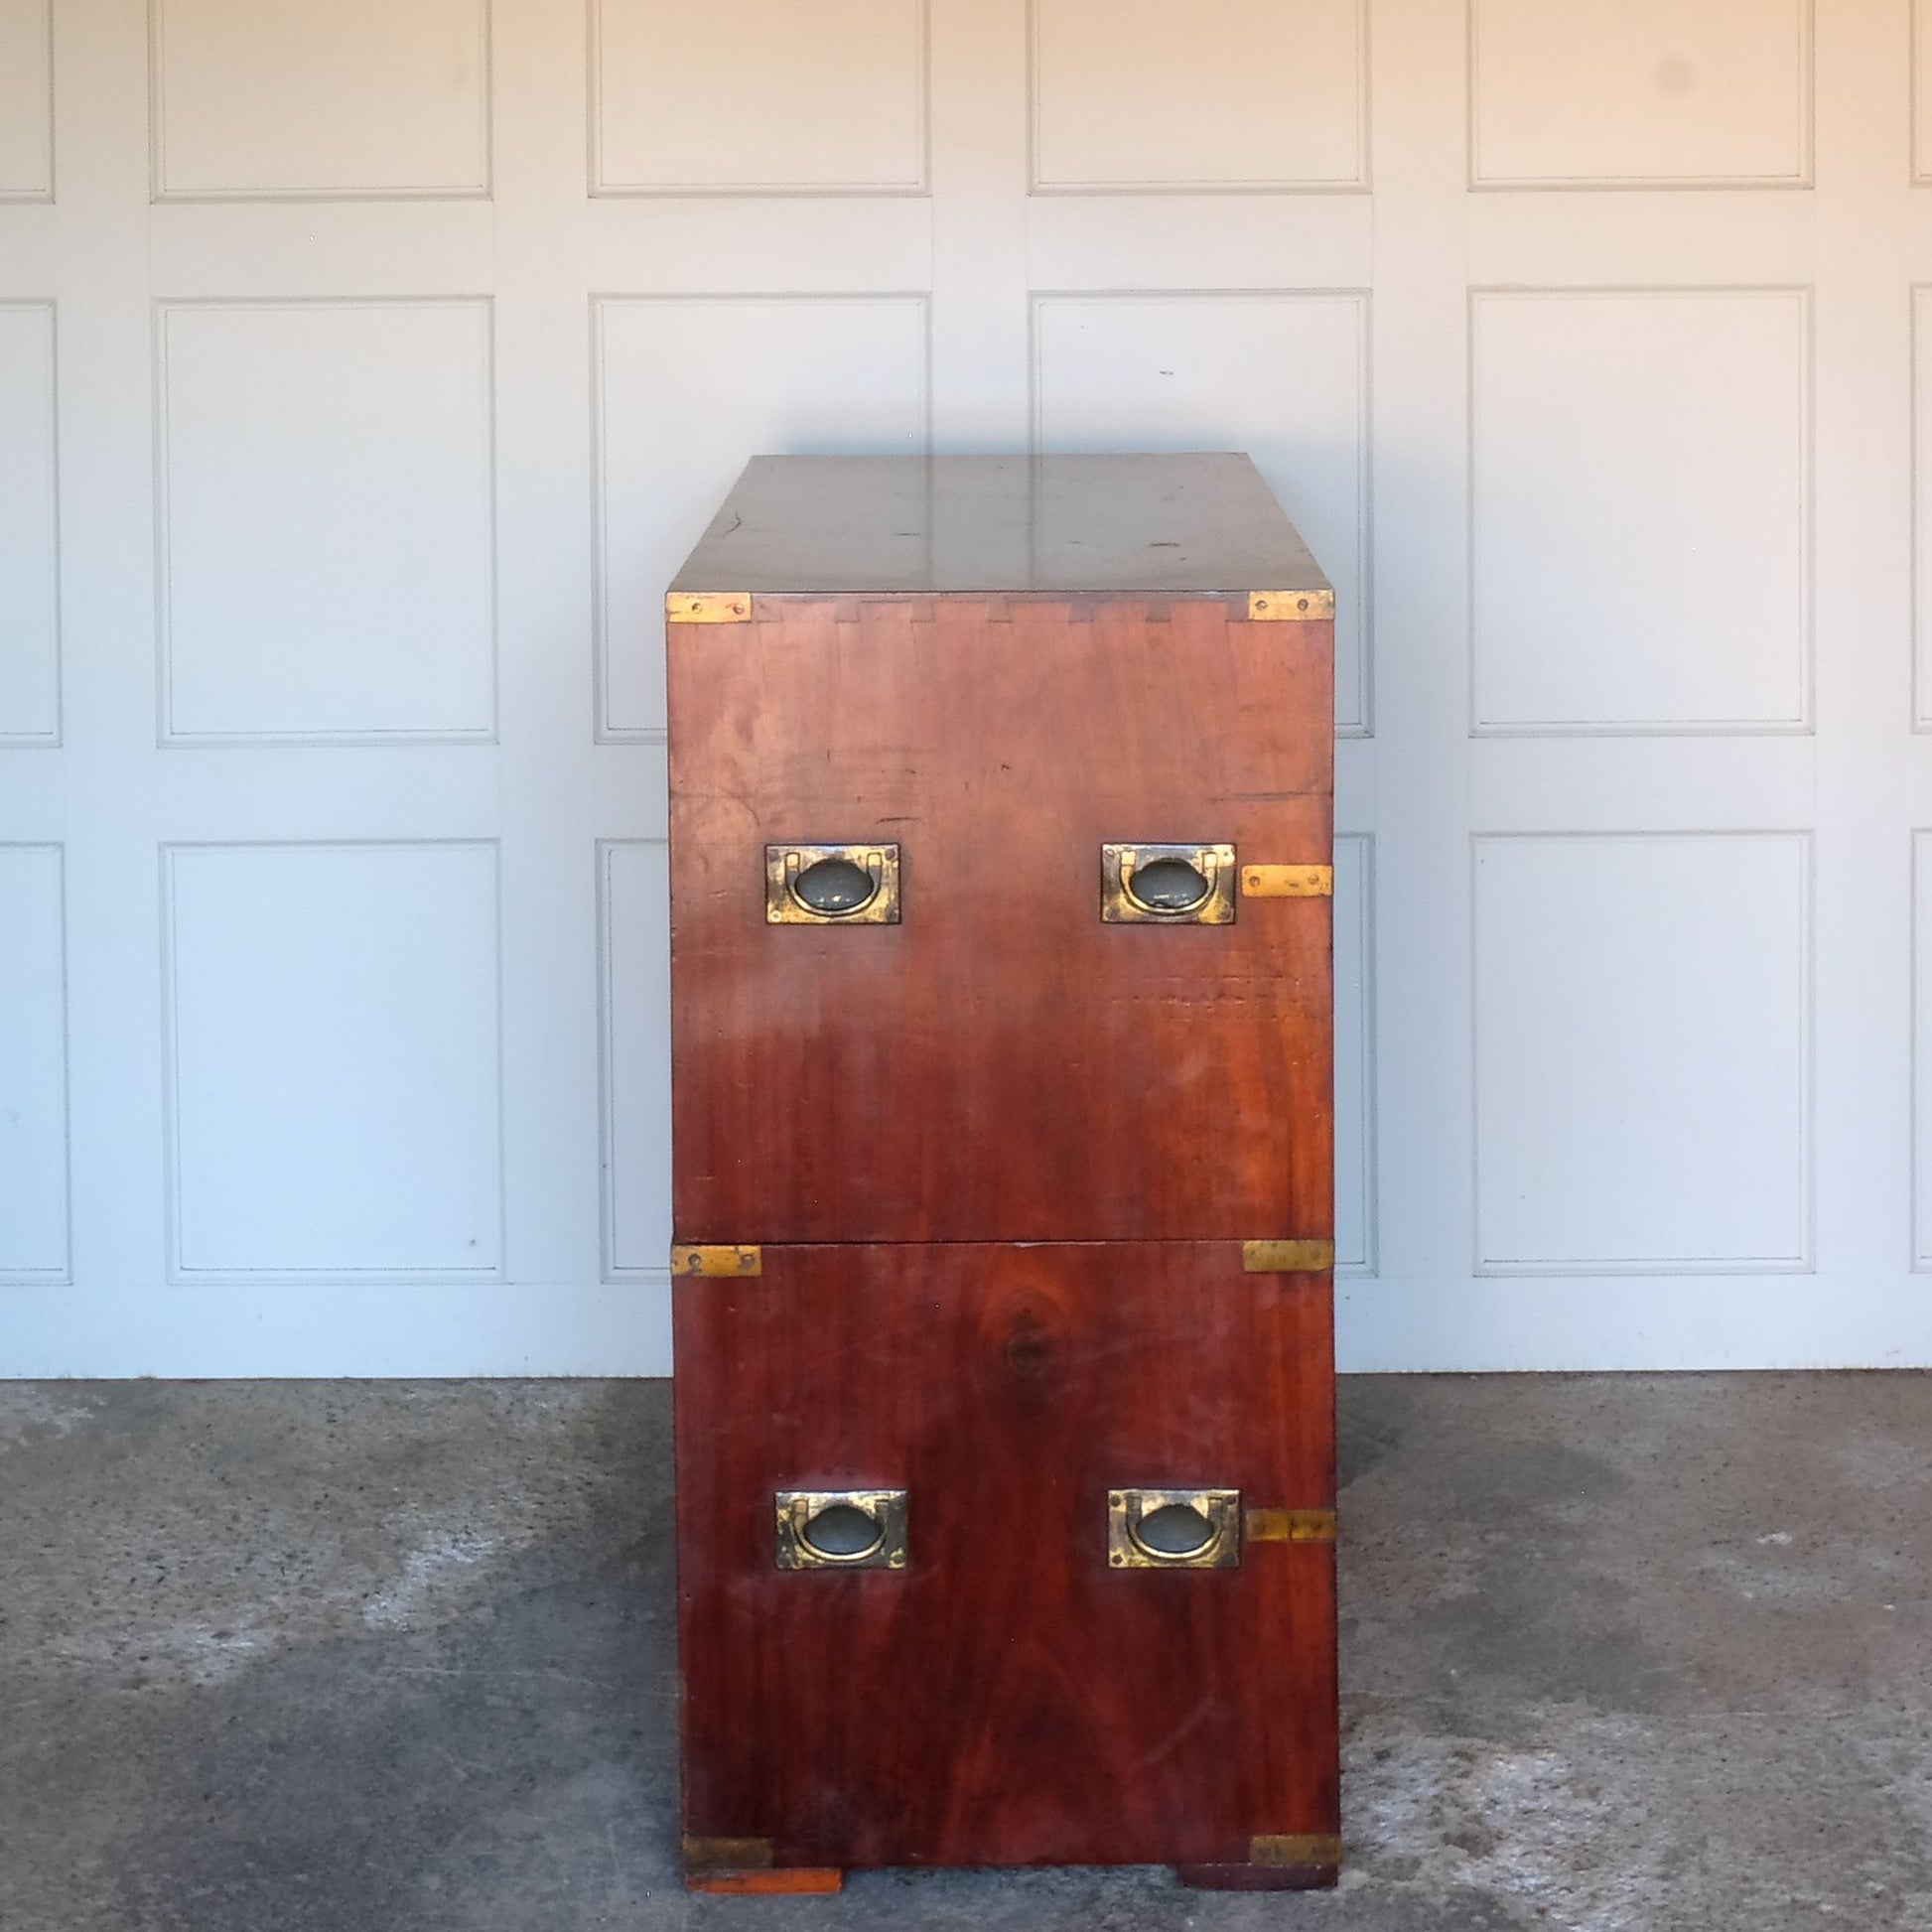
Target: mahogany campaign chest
<point x="1002" y="1102"/>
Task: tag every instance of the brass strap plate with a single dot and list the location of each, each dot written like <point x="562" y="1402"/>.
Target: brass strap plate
<point x="708" y="607"/>
<point x="1287" y="1257"/>
<point x="1289" y="1525"/>
<point x="715" y="1261"/>
<point x="1295" y="1848"/>
<point x="1289" y="607"/>
<point x="726" y="1854"/>
<point x="1288" y="882"/>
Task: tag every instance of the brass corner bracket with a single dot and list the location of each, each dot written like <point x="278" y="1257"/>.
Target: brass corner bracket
<point x="708" y="607"/>
<point x="716" y="1261"/>
<point x="1291" y="606"/>
<point x="746" y="1866"/>
<point x="1295" y="1848"/>
<point x="727" y="1854"/>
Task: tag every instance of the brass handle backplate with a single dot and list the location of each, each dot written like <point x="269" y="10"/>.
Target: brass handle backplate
<point x="831" y="884"/>
<point x="1173" y="1529"/>
<point x="841" y="1529"/>
<point x="1167" y="884"/>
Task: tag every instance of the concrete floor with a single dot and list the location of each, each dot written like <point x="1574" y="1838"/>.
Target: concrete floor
<point x="1617" y="1652"/>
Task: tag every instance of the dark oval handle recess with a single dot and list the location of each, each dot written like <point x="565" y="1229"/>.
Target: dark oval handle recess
<point x="1175" y="1530"/>
<point x="1169" y="885"/>
<point x="834" y="886"/>
<point x="843" y="1532"/>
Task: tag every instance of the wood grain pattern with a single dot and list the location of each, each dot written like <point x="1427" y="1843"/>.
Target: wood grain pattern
<point x="1008" y="1697"/>
<point x="999" y="1066"/>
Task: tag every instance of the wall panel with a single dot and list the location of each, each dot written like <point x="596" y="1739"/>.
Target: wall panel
<point x="32" y="1065"/>
<point x="326" y="539"/>
<point x="30" y="564"/>
<point x="1922" y="1051"/>
<point x="760" y="98"/>
<point x="25" y="100"/>
<point x="1922" y="90"/>
<point x="1641" y="509"/>
<point x="1640" y="92"/>
<point x="1642" y="1053"/>
<point x="284" y="98"/>
<point x="1922" y="508"/>
<point x="332" y="1026"/>
<point x="1138" y="96"/>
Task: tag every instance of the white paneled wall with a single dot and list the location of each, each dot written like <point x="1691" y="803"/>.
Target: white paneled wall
<point x="366" y="368"/>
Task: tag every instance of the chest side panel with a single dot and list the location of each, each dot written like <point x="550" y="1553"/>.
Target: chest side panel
<point x="1000" y="1065"/>
<point x="1009" y="1696"/>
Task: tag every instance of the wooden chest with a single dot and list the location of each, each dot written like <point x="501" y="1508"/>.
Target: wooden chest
<point x="1002" y="1090"/>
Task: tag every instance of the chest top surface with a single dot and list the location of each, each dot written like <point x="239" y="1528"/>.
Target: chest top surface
<point x="858" y="525"/>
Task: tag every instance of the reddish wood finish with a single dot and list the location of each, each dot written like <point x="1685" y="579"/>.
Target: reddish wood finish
<point x="1000" y="1157"/>
<point x="1008" y="1697"/>
<point x="999" y="1066"/>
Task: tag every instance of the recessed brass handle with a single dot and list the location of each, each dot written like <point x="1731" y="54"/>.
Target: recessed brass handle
<point x="1173" y="1529"/>
<point x="1167" y="884"/>
<point x="831" y="884"/>
<point x="841" y="1529"/>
